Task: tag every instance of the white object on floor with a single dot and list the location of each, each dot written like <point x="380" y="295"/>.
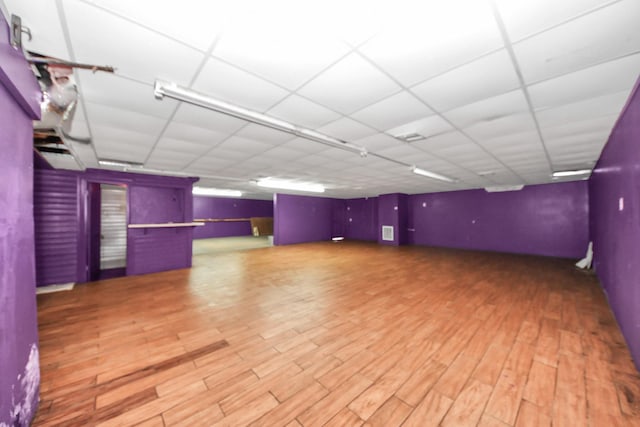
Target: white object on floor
<point x="585" y="262"/>
<point x="54" y="288"/>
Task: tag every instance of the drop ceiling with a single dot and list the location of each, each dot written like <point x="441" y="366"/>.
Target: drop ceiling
<point x="504" y="92"/>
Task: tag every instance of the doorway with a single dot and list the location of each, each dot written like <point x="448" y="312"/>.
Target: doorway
<point x="108" y="234"/>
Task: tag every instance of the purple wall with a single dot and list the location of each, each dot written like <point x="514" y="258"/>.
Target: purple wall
<point x="392" y="210"/>
<point x="151" y="199"/>
<point x="19" y="363"/>
<point x="615" y="229"/>
<point x="361" y="219"/>
<point x="299" y="219"/>
<point x="219" y="207"/>
<point x="549" y="220"/>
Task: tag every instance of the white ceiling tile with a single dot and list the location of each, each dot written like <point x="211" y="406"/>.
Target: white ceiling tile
<point x="429" y="126"/>
<point x="304" y="145"/>
<point x="488" y="76"/>
<point x="286" y="55"/>
<point x="301" y="112"/>
<point x="440" y="39"/>
<point x="117" y="92"/>
<point x="209" y="165"/>
<point x="501" y="126"/>
<point x="443" y="140"/>
<point x="122" y="150"/>
<point x="513" y="142"/>
<point x="128" y="46"/>
<point x="488" y="109"/>
<point x="401" y="150"/>
<point x="284" y="154"/>
<point x="105" y="136"/>
<point x="396" y="110"/>
<point x="264" y="134"/>
<point x="169" y="157"/>
<point x="231" y="84"/>
<point x="47" y="35"/>
<point x="605" y="105"/>
<point x="602" y="124"/>
<point x="578" y="141"/>
<point x="597" y="37"/>
<point x="206" y="119"/>
<point x="194" y="134"/>
<point x="349" y="85"/>
<point x="181" y="145"/>
<point x="378" y="141"/>
<point x="102" y="115"/>
<point x="79" y="127"/>
<point x="526" y="17"/>
<point x="599" y="80"/>
<point x="204" y="19"/>
<point x="245" y="145"/>
<point x="346" y="129"/>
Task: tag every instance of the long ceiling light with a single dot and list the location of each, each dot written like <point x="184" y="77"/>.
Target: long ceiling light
<point x="119" y="163"/>
<point x="289" y="185"/>
<point x="578" y="172"/>
<point x="171" y="90"/>
<point x="432" y="175"/>
<point x="207" y="191"/>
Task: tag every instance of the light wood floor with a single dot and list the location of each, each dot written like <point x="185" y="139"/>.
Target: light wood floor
<point x="218" y="245"/>
<point x="342" y="334"/>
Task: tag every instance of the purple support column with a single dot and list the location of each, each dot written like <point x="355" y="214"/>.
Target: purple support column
<point x="19" y="363"/>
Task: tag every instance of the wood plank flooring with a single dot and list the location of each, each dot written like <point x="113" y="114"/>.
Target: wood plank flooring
<point x="338" y="334"/>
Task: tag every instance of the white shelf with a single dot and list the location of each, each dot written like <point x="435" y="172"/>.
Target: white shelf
<point x="167" y="225"/>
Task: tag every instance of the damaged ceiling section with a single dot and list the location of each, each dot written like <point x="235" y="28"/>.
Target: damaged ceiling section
<point x="53" y="137"/>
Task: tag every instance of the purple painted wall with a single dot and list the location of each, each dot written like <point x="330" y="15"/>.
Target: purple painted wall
<point x="299" y="219"/>
<point x="549" y="220"/>
<point x="219" y="207"/>
<point x="19" y="363"/>
<point x="151" y="199"/>
<point x="615" y="225"/>
<point x="393" y="211"/>
<point x="361" y="219"/>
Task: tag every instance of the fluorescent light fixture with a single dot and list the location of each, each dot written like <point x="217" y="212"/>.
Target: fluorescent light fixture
<point x="501" y="188"/>
<point x="289" y="185"/>
<point x="578" y="172"/>
<point x="432" y="175"/>
<point x="206" y="191"/>
<point x="171" y="90"/>
<point x="119" y="163"/>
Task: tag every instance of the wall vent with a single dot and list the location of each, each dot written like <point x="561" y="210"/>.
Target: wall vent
<point x="387" y="233"/>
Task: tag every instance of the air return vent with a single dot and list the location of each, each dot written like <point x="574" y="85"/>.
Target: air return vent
<point x="387" y="233"/>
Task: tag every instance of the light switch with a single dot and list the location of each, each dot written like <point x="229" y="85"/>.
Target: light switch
<point x="621" y="204"/>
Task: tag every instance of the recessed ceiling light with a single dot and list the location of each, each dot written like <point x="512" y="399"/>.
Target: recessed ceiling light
<point x="501" y="188"/>
<point x="432" y="175"/>
<point x="411" y="137"/>
<point x="207" y="191"/>
<point x="578" y="172"/>
<point x="290" y="185"/>
<point x="119" y="163"/>
<point x="486" y="173"/>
